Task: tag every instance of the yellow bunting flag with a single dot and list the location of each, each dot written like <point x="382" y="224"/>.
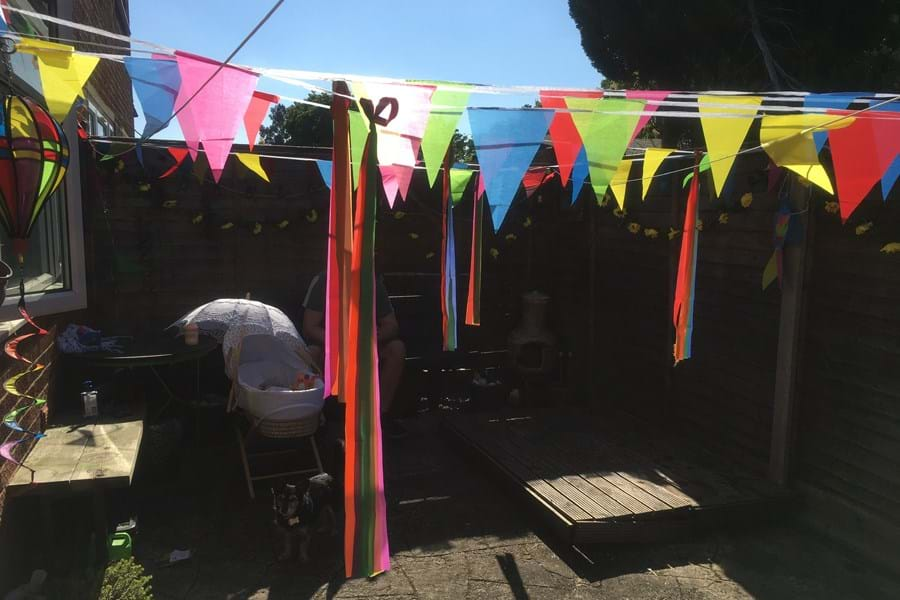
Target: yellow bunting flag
<point x="725" y="125"/>
<point x="788" y="140"/>
<point x="63" y="73"/>
<point x="653" y="159"/>
<point x="619" y="182"/>
<point x="251" y="161"/>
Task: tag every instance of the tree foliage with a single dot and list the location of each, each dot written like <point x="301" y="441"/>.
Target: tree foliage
<point x="756" y="45"/>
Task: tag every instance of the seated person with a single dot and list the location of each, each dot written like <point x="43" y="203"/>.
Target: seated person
<point x="391" y="350"/>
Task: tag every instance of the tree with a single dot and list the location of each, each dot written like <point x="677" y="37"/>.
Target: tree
<point x="756" y="45"/>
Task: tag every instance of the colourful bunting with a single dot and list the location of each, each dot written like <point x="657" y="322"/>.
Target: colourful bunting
<point x="855" y="156"/>
<point x="683" y="309"/>
<point x="449" y="105"/>
<point x="473" y="299"/>
<point x="775" y="267"/>
<point x="179" y="155"/>
<point x="619" y="182"/>
<point x="252" y="162"/>
<point x="837" y="100"/>
<point x="725" y="135"/>
<point x="156" y="83"/>
<point x="459" y="181"/>
<point x="563" y="133"/>
<point x="788" y="143"/>
<point x="506" y="142"/>
<point x="650" y="96"/>
<point x="325" y="171"/>
<point x="605" y="134"/>
<point x="887" y="135"/>
<point x="653" y="159"/>
<point x="256" y="114"/>
<point x="535" y="178"/>
<point x="579" y="174"/>
<point x="220" y="100"/>
<point x="63" y="73"/>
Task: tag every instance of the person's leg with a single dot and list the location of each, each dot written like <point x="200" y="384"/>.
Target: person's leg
<point x="391" y="359"/>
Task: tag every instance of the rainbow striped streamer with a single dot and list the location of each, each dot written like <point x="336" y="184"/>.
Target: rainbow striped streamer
<point x="683" y="311"/>
<point x="473" y="301"/>
<point x="448" y="268"/>
<point x="366" y="551"/>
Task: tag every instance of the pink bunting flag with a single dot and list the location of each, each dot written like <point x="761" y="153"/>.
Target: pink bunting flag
<point x="214" y="114"/>
<point x="399" y="141"/>
<point x="651" y="96"/>
<point x="256" y="114"/>
<point x="563" y="133"/>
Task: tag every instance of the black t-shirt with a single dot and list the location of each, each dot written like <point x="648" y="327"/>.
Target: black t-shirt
<point x="315" y="296"/>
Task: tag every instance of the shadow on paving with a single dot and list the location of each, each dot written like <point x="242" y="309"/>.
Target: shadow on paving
<point x="454" y="533"/>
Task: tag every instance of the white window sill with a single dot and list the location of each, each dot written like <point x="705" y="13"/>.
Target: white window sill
<point x="9" y="328"/>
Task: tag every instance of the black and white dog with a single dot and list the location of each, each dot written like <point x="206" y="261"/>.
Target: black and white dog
<point x="297" y="517"/>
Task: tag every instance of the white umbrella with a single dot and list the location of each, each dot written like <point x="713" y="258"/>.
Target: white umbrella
<point x="216" y="318"/>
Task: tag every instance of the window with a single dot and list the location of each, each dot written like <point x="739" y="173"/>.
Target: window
<point x="54" y="263"/>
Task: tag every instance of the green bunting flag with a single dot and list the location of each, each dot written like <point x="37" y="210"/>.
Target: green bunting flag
<point x="448" y="106"/>
<point x="459" y="181"/>
<point x="605" y="134"/>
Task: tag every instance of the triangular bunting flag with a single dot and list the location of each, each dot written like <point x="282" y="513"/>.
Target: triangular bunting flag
<point x="619" y="182"/>
<point x="563" y="133"/>
<point x="251" y="161"/>
<point x="724" y="135"/>
<point x="856" y="165"/>
<point x="579" y="174"/>
<point x="886" y="134"/>
<point x="653" y="159"/>
<point x="649" y="107"/>
<point x="781" y="138"/>
<point x="215" y="112"/>
<point x="256" y="114"/>
<point x="459" y="180"/>
<point x="605" y="134"/>
<point x="63" y="73"/>
<point x="179" y="155"/>
<point x="535" y="178"/>
<point x="449" y="105"/>
<point x="836" y="100"/>
<point x="359" y="132"/>
<point x="505" y="143"/>
<point x="325" y="171"/>
<point x="156" y="83"/>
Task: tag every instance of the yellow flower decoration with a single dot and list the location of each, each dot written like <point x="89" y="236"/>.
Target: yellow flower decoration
<point x="399" y="214"/>
<point x="227" y="226"/>
<point x="494" y="253"/>
<point x="429" y="255"/>
<point x="673" y="233"/>
<point x="865" y="227"/>
<point x="257" y="228"/>
<point x="120" y="165"/>
<point x="832" y="207"/>
<point x="510" y="237"/>
<point x="170" y="204"/>
<point x="634" y="227"/>
<point x="747" y="200"/>
<point x="312" y="216"/>
<point x="602" y="202"/>
<point x="283" y="224"/>
<point x="723" y="218"/>
<point x="527" y="222"/>
<point x="198" y="219"/>
<point x="699" y="224"/>
<point x="413" y="236"/>
<point x="892" y="248"/>
<point x="619" y="213"/>
<point x="651" y="233"/>
<point x="144" y="187"/>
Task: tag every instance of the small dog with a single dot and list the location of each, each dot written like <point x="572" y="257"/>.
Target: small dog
<point x="296" y="516"/>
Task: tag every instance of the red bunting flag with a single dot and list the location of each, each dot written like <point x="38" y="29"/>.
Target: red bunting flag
<point x="256" y="113"/>
<point x="855" y="155"/>
<point x="179" y="154"/>
<point x="563" y="134"/>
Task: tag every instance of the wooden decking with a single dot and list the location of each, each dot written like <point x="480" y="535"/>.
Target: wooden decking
<point x="603" y="479"/>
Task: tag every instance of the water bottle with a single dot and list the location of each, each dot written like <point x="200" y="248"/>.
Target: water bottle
<point x="89" y="399"/>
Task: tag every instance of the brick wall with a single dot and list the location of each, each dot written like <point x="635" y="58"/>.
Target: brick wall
<point x="109" y="81"/>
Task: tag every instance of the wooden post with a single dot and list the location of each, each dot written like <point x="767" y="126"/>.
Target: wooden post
<point x="789" y="338"/>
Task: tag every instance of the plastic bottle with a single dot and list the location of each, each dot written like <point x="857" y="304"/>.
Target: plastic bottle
<point x="89" y="399"/>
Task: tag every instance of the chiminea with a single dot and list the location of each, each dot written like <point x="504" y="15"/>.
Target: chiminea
<point x="532" y="346"/>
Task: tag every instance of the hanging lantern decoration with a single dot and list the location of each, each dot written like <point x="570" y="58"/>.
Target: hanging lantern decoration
<point x="34" y="156"/>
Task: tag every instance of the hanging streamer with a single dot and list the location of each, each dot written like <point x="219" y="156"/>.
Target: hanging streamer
<point x="256" y="114"/>
<point x="441" y="126"/>
<point x="366" y="551"/>
<point x="724" y="137"/>
<point x="775" y="267"/>
<point x="683" y="310"/>
<point x="448" y="263"/>
<point x="473" y="300"/>
<point x="563" y="133"/>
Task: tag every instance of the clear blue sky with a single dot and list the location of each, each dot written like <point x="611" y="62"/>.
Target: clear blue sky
<point x="506" y="42"/>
